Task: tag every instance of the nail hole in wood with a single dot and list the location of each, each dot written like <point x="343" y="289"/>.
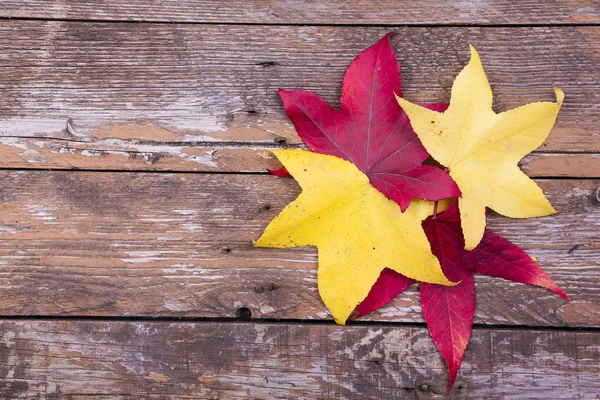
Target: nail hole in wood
<point x="280" y="140"/>
<point x="243" y="314"/>
<point x="227" y="250"/>
<point x="268" y="64"/>
<point x="273" y="286"/>
<point x="267" y="207"/>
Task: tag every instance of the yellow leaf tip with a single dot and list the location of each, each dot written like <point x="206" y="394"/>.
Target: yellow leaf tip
<point x="471" y="246"/>
<point x="401" y="101"/>
<point x="474" y="54"/>
<point x="560" y="95"/>
<point x="449" y="283"/>
<point x="407" y="106"/>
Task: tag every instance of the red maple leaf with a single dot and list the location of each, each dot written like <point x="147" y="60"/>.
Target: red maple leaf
<point x="448" y="310"/>
<point x="370" y="129"/>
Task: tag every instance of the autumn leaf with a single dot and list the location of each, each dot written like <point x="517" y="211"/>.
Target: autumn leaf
<point x="357" y="230"/>
<point x="449" y="313"/>
<point x="282" y="172"/>
<point x="498" y="257"/>
<point x="481" y="149"/>
<point x="448" y="310"/>
<point x="449" y="317"/>
<point x="370" y="129"/>
<point x="389" y="285"/>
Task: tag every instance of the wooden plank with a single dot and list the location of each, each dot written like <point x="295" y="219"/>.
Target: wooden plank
<point x="147" y="244"/>
<point x="161" y="96"/>
<point x="140" y="154"/>
<point x="502" y="12"/>
<point x="562" y="165"/>
<point x="81" y="359"/>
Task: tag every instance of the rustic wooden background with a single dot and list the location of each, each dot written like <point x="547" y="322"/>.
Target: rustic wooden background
<point x="131" y="142"/>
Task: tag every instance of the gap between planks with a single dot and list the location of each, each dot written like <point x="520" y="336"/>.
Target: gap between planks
<point x="372" y="324"/>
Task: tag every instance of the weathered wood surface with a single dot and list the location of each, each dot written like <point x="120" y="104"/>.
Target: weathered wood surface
<point x="331" y="12"/>
<point x="154" y="154"/>
<point x="51" y="359"/>
<point x="156" y="244"/>
<point x="203" y="97"/>
<point x="200" y="95"/>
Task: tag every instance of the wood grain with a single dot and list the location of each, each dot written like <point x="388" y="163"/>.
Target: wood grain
<point x="421" y="12"/>
<point x="200" y="96"/>
<point x="163" y="244"/>
<point x="141" y="154"/>
<point x="204" y="97"/>
<point x="131" y="360"/>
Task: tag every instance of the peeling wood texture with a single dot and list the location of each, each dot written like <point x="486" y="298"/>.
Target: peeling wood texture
<point x="131" y="360"/>
<point x="331" y="12"/>
<point x="204" y="97"/>
<point x="102" y="244"/>
<point x="102" y="256"/>
<point x="114" y="154"/>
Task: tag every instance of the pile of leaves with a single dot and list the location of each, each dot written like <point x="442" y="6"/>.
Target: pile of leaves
<point x="394" y="192"/>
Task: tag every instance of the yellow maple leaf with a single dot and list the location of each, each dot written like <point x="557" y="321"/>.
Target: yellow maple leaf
<point x="357" y="230"/>
<point x="481" y="149"/>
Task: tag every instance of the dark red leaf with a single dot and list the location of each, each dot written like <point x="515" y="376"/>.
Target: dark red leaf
<point x="448" y="311"/>
<point x="389" y="285"/>
<point x="283" y="172"/>
<point x="496" y="256"/>
<point x="370" y="129"/>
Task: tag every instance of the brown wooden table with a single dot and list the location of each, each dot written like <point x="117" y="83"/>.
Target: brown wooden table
<point x="133" y="182"/>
